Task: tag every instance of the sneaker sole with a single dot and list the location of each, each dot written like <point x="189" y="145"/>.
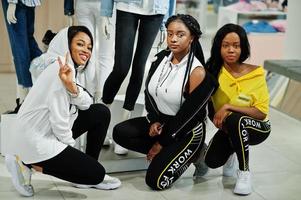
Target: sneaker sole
<point x="242" y="192"/>
<point x="99" y="186"/>
<point x="81" y="186"/>
<point x="112" y="186"/>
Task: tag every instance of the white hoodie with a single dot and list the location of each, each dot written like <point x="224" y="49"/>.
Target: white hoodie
<point x="45" y="118"/>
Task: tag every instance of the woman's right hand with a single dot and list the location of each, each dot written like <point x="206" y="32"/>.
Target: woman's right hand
<point x="65" y="72"/>
<point x="220" y="116"/>
<point x="66" y="75"/>
<point x="155" y="129"/>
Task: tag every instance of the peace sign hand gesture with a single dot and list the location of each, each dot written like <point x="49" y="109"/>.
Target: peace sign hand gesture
<point x="66" y="75"/>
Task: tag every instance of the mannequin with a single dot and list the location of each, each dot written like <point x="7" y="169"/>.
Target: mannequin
<point x="20" y="17"/>
<point x="144" y="17"/>
<point x="87" y="14"/>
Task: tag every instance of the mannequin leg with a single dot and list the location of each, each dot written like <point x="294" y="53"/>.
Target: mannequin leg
<point x="126" y="114"/>
<point x="125" y="23"/>
<point x="34" y="49"/>
<point x="85" y="16"/>
<point x="23" y="45"/>
<point x="87" y="13"/>
<point x="147" y="32"/>
<point x="22" y="42"/>
<point x="126" y="26"/>
<point x="22" y="92"/>
<point x="105" y="51"/>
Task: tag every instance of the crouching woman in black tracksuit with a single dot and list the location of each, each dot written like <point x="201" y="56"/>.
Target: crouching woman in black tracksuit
<point x="177" y="90"/>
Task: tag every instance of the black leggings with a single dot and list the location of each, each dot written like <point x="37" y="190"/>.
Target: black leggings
<point x="171" y="162"/>
<point x="240" y="132"/>
<point x="73" y="165"/>
<point x="95" y="121"/>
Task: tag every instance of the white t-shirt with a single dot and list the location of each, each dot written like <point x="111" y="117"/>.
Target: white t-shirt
<point x="166" y="84"/>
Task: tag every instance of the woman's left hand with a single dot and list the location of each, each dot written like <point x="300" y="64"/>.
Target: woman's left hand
<point x="220" y="116"/>
<point x="156" y="148"/>
<point x="155" y="129"/>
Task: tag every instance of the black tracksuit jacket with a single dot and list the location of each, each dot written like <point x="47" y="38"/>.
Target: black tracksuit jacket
<point x="192" y="111"/>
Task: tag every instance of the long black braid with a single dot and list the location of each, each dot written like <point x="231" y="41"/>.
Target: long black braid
<point x="195" y="50"/>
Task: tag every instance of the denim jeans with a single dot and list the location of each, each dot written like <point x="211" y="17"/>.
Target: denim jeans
<point x="69" y="7"/>
<point x="23" y="45"/>
<point x="126" y="27"/>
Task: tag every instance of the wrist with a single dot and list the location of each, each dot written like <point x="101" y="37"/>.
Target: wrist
<point x="72" y="89"/>
<point x="229" y="107"/>
<point x="74" y="94"/>
<point x="157" y="144"/>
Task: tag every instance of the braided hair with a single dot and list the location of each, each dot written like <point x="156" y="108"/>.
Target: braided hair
<point x="196" y="49"/>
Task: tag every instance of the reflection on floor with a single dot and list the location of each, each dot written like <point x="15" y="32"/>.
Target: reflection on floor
<point x="275" y="166"/>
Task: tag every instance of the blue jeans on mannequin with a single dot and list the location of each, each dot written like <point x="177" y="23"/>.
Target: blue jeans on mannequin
<point x="126" y="27"/>
<point x="24" y="46"/>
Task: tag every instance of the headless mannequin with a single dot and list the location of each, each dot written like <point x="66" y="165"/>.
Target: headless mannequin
<point x="131" y="17"/>
<point x="20" y="27"/>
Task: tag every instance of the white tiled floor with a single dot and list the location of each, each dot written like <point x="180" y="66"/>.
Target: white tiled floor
<point x="275" y="165"/>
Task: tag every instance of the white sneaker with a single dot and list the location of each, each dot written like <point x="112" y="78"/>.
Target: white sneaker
<point x="120" y="150"/>
<point x="15" y="168"/>
<point x="243" y="183"/>
<point x="108" y="183"/>
<point x="231" y="166"/>
<point x="107" y="141"/>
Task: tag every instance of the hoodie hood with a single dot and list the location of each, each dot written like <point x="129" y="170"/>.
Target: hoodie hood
<point x="59" y="44"/>
<point x="86" y="75"/>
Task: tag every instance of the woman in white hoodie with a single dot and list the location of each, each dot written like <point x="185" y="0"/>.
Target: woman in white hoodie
<point x="58" y="109"/>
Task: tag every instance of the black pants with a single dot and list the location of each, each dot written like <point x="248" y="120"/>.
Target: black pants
<point x="240" y="132"/>
<point x="73" y="165"/>
<point x="127" y="24"/>
<point x="172" y="161"/>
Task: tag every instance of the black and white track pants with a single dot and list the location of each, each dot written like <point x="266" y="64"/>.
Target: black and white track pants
<point x="172" y="161"/>
<point x="241" y="131"/>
